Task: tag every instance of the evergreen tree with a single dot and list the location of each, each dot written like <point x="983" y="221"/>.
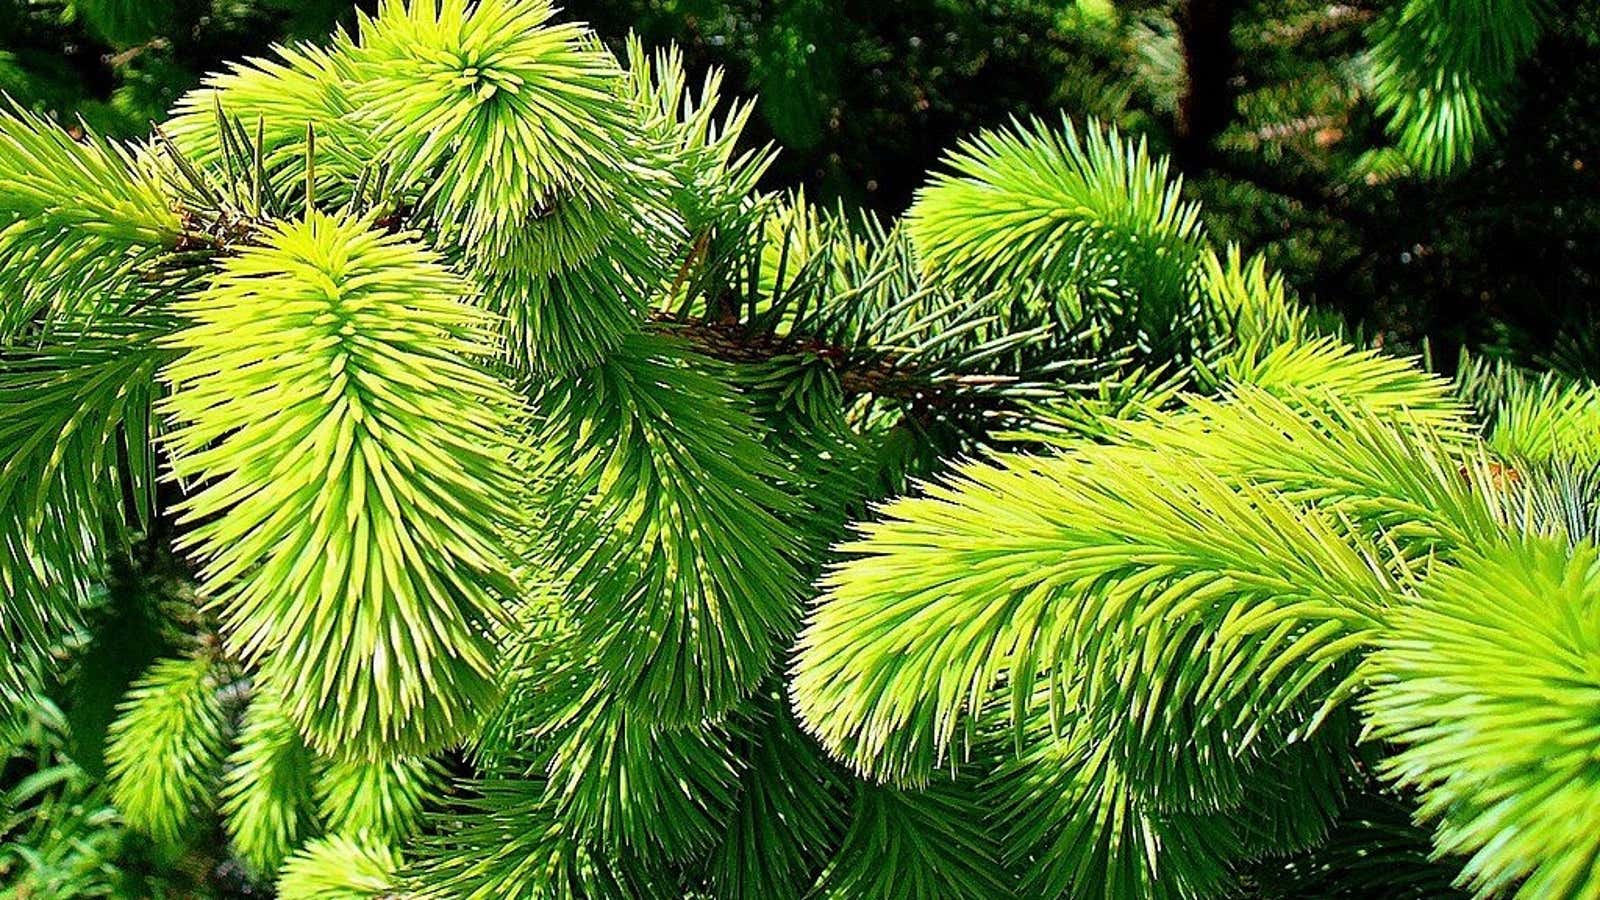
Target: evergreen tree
<point x="472" y="430"/>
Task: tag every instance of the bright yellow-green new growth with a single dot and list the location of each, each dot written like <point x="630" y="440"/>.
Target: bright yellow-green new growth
<point x="347" y="460"/>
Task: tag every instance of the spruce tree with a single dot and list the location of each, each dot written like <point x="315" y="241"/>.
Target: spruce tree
<point x="528" y="506"/>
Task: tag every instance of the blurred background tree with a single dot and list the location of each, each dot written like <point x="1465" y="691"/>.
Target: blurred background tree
<point x="1268" y="107"/>
<point x="120" y="64"/>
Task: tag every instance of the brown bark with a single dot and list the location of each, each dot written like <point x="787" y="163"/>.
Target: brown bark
<point x="1206" y="106"/>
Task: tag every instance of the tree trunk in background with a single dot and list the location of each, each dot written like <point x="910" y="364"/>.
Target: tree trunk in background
<point x="1204" y="30"/>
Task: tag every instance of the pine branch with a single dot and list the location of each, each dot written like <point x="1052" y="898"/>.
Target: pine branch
<point x="936" y="839"/>
<point x="76" y="218"/>
<point x="266" y="797"/>
<point x="380" y="801"/>
<point x="164" y="750"/>
<point x="1012" y="573"/>
<point x="790" y="815"/>
<point x="363" y="502"/>
<point x="1443" y="74"/>
<point x="677" y="568"/>
<point x="504" y="842"/>
<point x="1030" y="204"/>
<point x="1075" y="823"/>
<point x="338" y="867"/>
<point x="1488" y="686"/>
<point x="76" y="419"/>
<point x="859" y="372"/>
<point x="249" y="124"/>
